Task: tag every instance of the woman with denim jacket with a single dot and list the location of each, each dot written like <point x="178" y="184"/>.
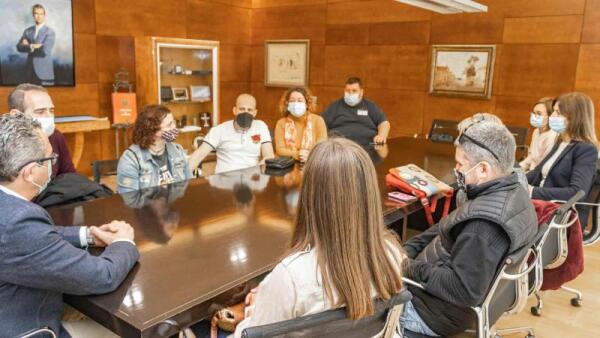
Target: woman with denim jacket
<point x="153" y="159"/>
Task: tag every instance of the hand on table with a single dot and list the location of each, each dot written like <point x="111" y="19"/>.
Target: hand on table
<point x="108" y="233"/>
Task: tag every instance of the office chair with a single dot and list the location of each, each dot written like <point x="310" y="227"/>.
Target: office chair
<point x="42" y="332"/>
<point x="334" y="323"/>
<point x="554" y="250"/>
<point x="443" y="131"/>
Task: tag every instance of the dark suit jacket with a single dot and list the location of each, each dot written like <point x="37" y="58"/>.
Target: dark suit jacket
<point x="39" y="262"/>
<point x="40" y="59"/>
<point x="574" y="170"/>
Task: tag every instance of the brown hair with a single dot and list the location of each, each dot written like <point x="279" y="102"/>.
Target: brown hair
<point x="37" y="6"/>
<point x="340" y="216"/>
<point x="578" y="108"/>
<point x="548" y="103"/>
<point x="285" y="99"/>
<point x="148" y="123"/>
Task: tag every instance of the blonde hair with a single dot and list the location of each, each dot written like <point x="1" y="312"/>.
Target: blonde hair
<point x="285" y="99"/>
<point x="340" y="216"/>
<point x="578" y="108"/>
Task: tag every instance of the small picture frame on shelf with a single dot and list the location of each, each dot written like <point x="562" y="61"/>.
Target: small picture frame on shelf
<point x="200" y="93"/>
<point x="181" y="94"/>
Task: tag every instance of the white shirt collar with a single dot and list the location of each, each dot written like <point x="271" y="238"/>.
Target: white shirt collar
<point x="38" y="27"/>
<point x="12" y="193"/>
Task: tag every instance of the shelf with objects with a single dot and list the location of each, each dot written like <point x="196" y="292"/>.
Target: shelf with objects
<point x="182" y="74"/>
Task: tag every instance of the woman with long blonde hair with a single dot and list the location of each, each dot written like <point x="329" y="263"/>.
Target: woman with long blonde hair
<point x="341" y="252"/>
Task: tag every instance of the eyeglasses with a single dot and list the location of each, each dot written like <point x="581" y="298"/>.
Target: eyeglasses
<point x="53" y="158"/>
<point x="474" y="120"/>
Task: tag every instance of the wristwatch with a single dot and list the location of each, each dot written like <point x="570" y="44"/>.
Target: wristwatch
<point x="88" y="237"/>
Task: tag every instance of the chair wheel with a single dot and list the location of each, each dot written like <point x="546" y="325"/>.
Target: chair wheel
<point x="536" y="311"/>
<point x="576" y="302"/>
<point x="530" y="336"/>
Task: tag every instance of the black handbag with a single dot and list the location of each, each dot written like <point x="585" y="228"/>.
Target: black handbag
<point x="280" y="162"/>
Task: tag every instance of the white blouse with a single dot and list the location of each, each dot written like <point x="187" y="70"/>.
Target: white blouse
<point x="548" y="165"/>
<point x="541" y="144"/>
<point x="294" y="289"/>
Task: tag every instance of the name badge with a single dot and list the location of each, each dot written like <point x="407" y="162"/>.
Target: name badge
<point x="362" y="112"/>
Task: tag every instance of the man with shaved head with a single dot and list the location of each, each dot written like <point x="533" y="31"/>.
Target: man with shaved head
<point x="240" y="143"/>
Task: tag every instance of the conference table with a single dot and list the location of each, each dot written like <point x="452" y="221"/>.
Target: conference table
<point x="206" y="242"/>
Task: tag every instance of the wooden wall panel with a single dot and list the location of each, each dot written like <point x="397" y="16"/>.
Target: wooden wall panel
<point x="398" y="67"/>
<point x="538" y="70"/>
<point x="399" y="33"/>
<point x="354" y="12"/>
<point x="399" y="107"/>
<point x="84" y="16"/>
<point x="447" y="108"/>
<point x="547" y="29"/>
<point x="342" y="62"/>
<point x="86" y="68"/>
<point x="466" y="28"/>
<point x="115" y="53"/>
<point x="141" y="17"/>
<point x="356" y="34"/>
<point x="591" y="22"/>
<point x="215" y="21"/>
<point x="235" y="63"/>
<point x="588" y="69"/>
<point x="518" y="8"/>
<point x="515" y="110"/>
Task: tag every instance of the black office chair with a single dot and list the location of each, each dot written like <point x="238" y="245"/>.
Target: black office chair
<point x="592" y="235"/>
<point x="104" y="168"/>
<point x="520" y="135"/>
<point x="334" y="323"/>
<point x="443" y="131"/>
<point x="554" y="250"/>
<point x="44" y="332"/>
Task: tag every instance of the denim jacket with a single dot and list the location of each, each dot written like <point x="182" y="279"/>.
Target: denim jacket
<point x="138" y="170"/>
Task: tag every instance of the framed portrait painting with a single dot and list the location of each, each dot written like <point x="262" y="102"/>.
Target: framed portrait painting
<point x="462" y="70"/>
<point x="287" y="63"/>
<point x="36" y="42"/>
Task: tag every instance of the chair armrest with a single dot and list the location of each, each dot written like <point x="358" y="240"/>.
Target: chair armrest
<point x="413" y="283"/>
<point x="509" y="276"/>
<point x="34" y="332"/>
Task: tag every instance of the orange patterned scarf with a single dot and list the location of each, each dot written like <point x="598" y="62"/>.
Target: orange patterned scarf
<point x="290" y="134"/>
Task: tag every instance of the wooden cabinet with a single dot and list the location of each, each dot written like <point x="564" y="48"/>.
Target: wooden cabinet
<point x="182" y="74"/>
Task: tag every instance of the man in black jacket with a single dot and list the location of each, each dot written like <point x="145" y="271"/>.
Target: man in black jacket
<point x="457" y="259"/>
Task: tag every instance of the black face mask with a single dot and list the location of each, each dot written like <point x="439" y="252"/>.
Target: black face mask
<point x="244" y="120"/>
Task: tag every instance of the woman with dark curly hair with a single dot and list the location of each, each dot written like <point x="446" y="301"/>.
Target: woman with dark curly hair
<point x="153" y="159"/>
<point x="297" y="132"/>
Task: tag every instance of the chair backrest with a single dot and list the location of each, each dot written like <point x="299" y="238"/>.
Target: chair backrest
<point x="443" y="131"/>
<point x="331" y="323"/>
<point x="102" y="168"/>
<point x="520" y="134"/>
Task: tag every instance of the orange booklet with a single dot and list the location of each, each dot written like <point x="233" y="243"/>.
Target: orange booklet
<point x="124" y="108"/>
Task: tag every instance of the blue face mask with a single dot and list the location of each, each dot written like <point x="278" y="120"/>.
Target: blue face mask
<point x="352" y="99"/>
<point x="297" y="109"/>
<point x="558" y="124"/>
<point x="43" y="187"/>
<point x="537" y="121"/>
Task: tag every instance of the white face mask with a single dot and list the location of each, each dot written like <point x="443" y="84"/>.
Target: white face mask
<point x="45" y="185"/>
<point x="47" y="124"/>
<point x="297" y="108"/>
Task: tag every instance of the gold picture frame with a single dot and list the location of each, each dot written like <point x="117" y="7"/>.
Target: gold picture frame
<point x="287" y="63"/>
<point x="462" y="70"/>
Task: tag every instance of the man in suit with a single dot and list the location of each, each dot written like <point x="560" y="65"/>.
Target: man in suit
<point x="38" y="41"/>
<point x="38" y="260"/>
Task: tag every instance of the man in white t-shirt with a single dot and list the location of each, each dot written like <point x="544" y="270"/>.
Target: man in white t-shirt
<point x="239" y="143"/>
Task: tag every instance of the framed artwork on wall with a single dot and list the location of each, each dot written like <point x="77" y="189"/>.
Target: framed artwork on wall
<point x="462" y="70"/>
<point x="36" y="42"/>
<point x="287" y="63"/>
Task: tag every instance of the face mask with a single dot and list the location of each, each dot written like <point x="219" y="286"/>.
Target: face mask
<point x="43" y="186"/>
<point x="558" y="124"/>
<point x="244" y="120"/>
<point x="351" y="99"/>
<point x="47" y="124"/>
<point x="297" y="108"/>
<point x="170" y="135"/>
<point x="461" y="178"/>
<point x="537" y="121"/>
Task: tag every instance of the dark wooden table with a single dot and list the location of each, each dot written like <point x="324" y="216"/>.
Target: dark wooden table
<point x="207" y="241"/>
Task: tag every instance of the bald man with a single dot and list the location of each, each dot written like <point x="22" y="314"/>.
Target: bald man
<point x="240" y="143"/>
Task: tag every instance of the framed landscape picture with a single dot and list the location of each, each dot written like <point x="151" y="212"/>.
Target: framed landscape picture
<point x="462" y="70"/>
<point x="36" y="42"/>
<point x="287" y="63"/>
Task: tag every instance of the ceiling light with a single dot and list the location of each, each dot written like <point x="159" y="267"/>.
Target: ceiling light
<point x="447" y="6"/>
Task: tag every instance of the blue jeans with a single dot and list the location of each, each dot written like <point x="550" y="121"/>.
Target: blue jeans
<point x="411" y="321"/>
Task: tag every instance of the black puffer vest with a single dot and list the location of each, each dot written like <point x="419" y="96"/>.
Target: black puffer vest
<point x="501" y="201"/>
